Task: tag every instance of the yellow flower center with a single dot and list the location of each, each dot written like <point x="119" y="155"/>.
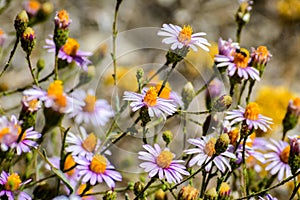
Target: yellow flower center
<point x="234" y="136"/>
<point x="98" y="164"/>
<point x="13" y="182"/>
<point x="33" y="104"/>
<point x="90" y="142"/>
<point x="56" y="91"/>
<point x="252" y="111"/>
<point x="80" y="190"/>
<point x="284" y="155"/>
<point x="165" y="93"/>
<point x="34" y="5"/>
<point x="241" y="58"/>
<point x="164" y="159"/>
<point x="209" y="148"/>
<point x="71" y="47"/>
<point x="69" y="163"/>
<point x="262" y="51"/>
<point x="63" y="16"/>
<point x="296" y="102"/>
<point x="3" y="132"/>
<point x="185" y="34"/>
<point x="89" y="101"/>
<point x="150" y="97"/>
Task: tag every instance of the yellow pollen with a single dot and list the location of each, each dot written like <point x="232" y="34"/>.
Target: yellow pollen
<point x="98" y="164"/>
<point x="150" y="97"/>
<point x="89" y="101"/>
<point x="63" y="16"/>
<point x="209" y="148"/>
<point x="296" y="102"/>
<point x="56" y="91"/>
<point x="71" y="47"/>
<point x="90" y="142"/>
<point x="33" y="104"/>
<point x="252" y="111"/>
<point x="284" y="155"/>
<point x="69" y="163"/>
<point x="164" y="159"/>
<point x="34" y="5"/>
<point x="13" y="182"/>
<point x="234" y="136"/>
<point x="262" y="51"/>
<point x="4" y="131"/>
<point x="165" y="93"/>
<point x="241" y="58"/>
<point x="185" y="34"/>
<point x="80" y="190"/>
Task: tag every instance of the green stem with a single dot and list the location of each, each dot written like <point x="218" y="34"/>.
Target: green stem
<point x="165" y="66"/>
<point x="36" y="82"/>
<point x="145" y="188"/>
<point x="144" y="134"/>
<point x="184" y="130"/>
<point x="203" y="183"/>
<point x="195" y="113"/>
<point x="56" y="67"/>
<point x="166" y="79"/>
<point x="295" y="191"/>
<point x="242" y="91"/>
<point x="250" y="91"/>
<point x="12" y="53"/>
<point x="204" y="86"/>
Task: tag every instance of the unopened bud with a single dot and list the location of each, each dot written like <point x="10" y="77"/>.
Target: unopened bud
<point x="222" y="104"/>
<point x="174" y="56"/>
<point x="222" y="143"/>
<point x="224" y="192"/>
<point x="144" y="115"/>
<point x="260" y="57"/>
<point x="138" y="187"/>
<point x="61" y="32"/>
<point x="188" y="193"/>
<point x="139" y="73"/>
<point x="160" y="195"/>
<point x="243" y="14"/>
<point x="21" y="22"/>
<point x="211" y="194"/>
<point x="213" y="91"/>
<point x="110" y="195"/>
<point x="187" y="93"/>
<point x="47" y="8"/>
<point x="294" y="157"/>
<point x="28" y="40"/>
<point x="40" y="64"/>
<point x="167" y="137"/>
<point x="292" y="115"/>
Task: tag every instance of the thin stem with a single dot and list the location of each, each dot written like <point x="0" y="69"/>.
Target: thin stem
<point x="203" y="183"/>
<point x="31" y="70"/>
<point x="242" y="91"/>
<point x="184" y="130"/>
<point x="244" y="170"/>
<point x="56" y="67"/>
<point x="238" y="33"/>
<point x="145" y="188"/>
<point x="144" y="134"/>
<point x="12" y="53"/>
<point x="270" y="188"/>
<point x="205" y="85"/>
<point x="295" y="191"/>
<point x="166" y="79"/>
<point x="195" y="113"/>
<point x="250" y="91"/>
<point x="165" y="66"/>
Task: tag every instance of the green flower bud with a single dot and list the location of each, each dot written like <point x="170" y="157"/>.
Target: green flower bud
<point x="110" y="195"/>
<point x="28" y="40"/>
<point x="187" y="93"/>
<point x="243" y="14"/>
<point x="21" y="22"/>
<point x="160" y="195"/>
<point x="174" y="56"/>
<point x="222" y="143"/>
<point x="167" y="137"/>
<point x="222" y="104"/>
<point x="52" y="119"/>
<point x="292" y="115"/>
<point x="188" y="193"/>
<point x="139" y="73"/>
<point x="211" y="194"/>
<point x="40" y="65"/>
<point x="294" y="154"/>
<point x="138" y="187"/>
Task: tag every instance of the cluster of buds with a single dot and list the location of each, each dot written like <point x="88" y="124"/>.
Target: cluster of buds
<point x="292" y="115"/>
<point x="61" y="31"/>
<point x="243" y="14"/>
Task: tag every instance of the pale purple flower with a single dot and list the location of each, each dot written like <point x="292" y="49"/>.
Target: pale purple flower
<point x="205" y="151"/>
<point x="27" y="141"/>
<point x="10" y="129"/>
<point x="251" y="116"/>
<point x="11" y="184"/>
<point x="96" y="169"/>
<point x="32" y="105"/>
<point x="227" y="48"/>
<point x="277" y="158"/>
<point x="92" y="111"/>
<point x="267" y="197"/>
<point x="62" y="19"/>
<point x="160" y="162"/>
<point x="238" y="63"/>
<point x="83" y="144"/>
<point x="156" y="106"/>
<point x="183" y="37"/>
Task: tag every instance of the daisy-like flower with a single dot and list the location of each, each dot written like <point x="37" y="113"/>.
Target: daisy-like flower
<point x="227" y="48"/>
<point x="62" y="19"/>
<point x="238" y="63"/>
<point x="183" y="37"/>
<point x="27" y="141"/>
<point x="260" y="56"/>
<point x="32" y="7"/>
<point x="32" y="105"/>
<point x="277" y="158"/>
<point x="160" y="162"/>
<point x="11" y="184"/>
<point x="54" y="97"/>
<point x="83" y="144"/>
<point x="251" y="116"/>
<point x="149" y="98"/>
<point x="92" y="111"/>
<point x="205" y="151"/>
<point x="96" y="169"/>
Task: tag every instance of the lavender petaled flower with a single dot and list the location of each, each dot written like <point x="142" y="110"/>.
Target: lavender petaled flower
<point x="96" y="169"/>
<point x="149" y="98"/>
<point x="92" y="111"/>
<point x="27" y="141"/>
<point x="227" y="48"/>
<point x="160" y="162"/>
<point x="11" y="184"/>
<point x="205" y="151"/>
<point x="277" y="158"/>
<point x="179" y="37"/>
<point x="251" y="115"/>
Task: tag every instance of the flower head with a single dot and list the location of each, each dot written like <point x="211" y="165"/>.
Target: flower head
<point x="277" y="158"/>
<point x="27" y="141"/>
<point x="3" y="37"/>
<point x="238" y="63"/>
<point x="260" y="56"/>
<point x="251" y="115"/>
<point x="227" y="48"/>
<point x="11" y="184"/>
<point x="161" y="162"/>
<point x="32" y="7"/>
<point x="206" y="151"/>
<point x="183" y="37"/>
<point x="149" y="99"/>
<point x="70" y="52"/>
<point x="92" y="110"/>
<point x="62" y="19"/>
<point x="96" y="169"/>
